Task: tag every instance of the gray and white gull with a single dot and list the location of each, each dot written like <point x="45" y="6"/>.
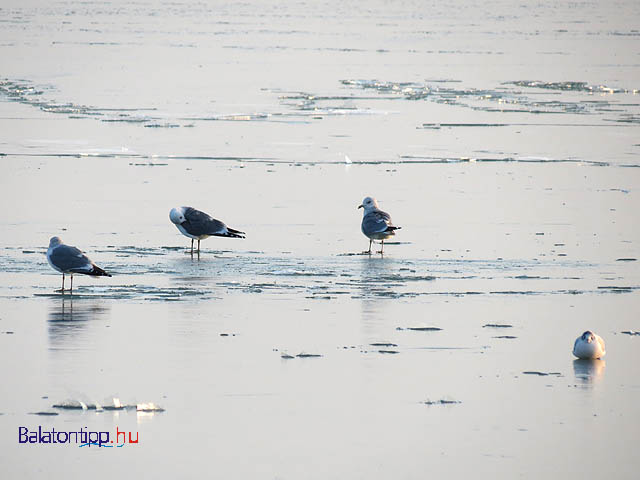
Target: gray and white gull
<point x="70" y="260"/>
<point x="376" y="224"/>
<point x="198" y="225"/>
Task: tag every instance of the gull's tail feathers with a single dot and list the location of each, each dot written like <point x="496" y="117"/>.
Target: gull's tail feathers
<point x="231" y="233"/>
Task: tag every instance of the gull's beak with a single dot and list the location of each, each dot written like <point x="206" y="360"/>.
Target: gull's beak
<point x="360" y="206"/>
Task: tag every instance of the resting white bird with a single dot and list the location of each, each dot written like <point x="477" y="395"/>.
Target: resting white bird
<point x="589" y="345"/>
<point x="198" y="225"/>
<point x="70" y="260"/>
<point x="376" y="224"/>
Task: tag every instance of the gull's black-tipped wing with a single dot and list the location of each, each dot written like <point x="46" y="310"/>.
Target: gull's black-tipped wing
<point x="71" y="260"/>
<point x="376" y="222"/>
<point x="198" y="223"/>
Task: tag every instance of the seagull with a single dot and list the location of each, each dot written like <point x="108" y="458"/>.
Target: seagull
<point x="589" y="345"/>
<point x="198" y="225"/>
<point x="68" y="259"/>
<point x="376" y="224"/>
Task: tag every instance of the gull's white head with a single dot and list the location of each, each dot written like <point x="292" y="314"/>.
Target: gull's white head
<point x="177" y="215"/>
<point x="54" y="242"/>
<point x="588" y="336"/>
<point x="369" y="203"/>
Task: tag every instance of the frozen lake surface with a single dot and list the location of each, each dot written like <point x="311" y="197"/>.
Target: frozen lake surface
<point x="503" y="138"/>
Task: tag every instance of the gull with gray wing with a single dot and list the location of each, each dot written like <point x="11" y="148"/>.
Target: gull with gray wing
<point x="198" y="225"/>
<point x="69" y="260"/>
<point x="376" y="224"/>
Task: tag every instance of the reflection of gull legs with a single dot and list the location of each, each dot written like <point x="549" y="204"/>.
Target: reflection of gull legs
<point x="69" y="315"/>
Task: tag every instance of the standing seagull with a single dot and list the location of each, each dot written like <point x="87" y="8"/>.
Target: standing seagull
<point x="67" y="259"/>
<point x="198" y="225"/>
<point x="376" y="224"/>
<point x="589" y="345"/>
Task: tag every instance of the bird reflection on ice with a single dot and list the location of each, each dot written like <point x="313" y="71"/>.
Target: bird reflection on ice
<point x="372" y="290"/>
<point x="68" y="317"/>
<point x="589" y="371"/>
